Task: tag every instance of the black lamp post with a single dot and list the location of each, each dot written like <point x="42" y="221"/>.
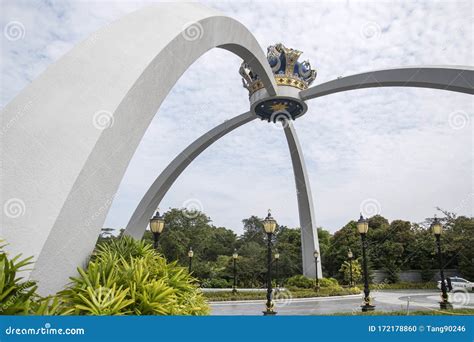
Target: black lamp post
<point x="269" y="225"/>
<point x="235" y="255"/>
<point x="190" y="256"/>
<point x="277" y="278"/>
<point x="157" y="224"/>
<point x="363" y="228"/>
<point x="437" y="229"/>
<point x="350" y="256"/>
<point x="316" y="255"/>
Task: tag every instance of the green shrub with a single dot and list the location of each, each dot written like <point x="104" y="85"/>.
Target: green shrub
<point x="16" y="296"/>
<point x="328" y="282"/>
<point x="300" y="281"/>
<point x="127" y="277"/>
<point x="214" y="283"/>
<point x="303" y="282"/>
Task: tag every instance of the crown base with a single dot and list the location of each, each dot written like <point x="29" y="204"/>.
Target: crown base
<point x="287" y="105"/>
<point x="279" y="109"/>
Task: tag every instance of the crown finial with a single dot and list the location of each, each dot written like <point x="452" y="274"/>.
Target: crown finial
<point x="286" y="68"/>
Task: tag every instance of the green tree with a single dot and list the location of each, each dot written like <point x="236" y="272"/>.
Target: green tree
<point x="356" y="271"/>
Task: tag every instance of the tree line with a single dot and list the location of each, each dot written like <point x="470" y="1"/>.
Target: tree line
<point x="392" y="246"/>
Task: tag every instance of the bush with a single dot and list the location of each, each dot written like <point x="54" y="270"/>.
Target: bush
<point x="328" y="282"/>
<point x="303" y="282"/>
<point x="300" y="281"/>
<point x="128" y="277"/>
<point x="16" y="296"/>
<point x="218" y="283"/>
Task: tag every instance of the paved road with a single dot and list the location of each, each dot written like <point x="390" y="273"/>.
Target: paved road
<point x="385" y="300"/>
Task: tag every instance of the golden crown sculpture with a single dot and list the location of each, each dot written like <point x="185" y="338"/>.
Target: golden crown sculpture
<point x="286" y="70"/>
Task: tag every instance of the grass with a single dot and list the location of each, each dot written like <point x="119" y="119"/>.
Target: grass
<point x="289" y="293"/>
<point x="404" y="286"/>
<point x="452" y="312"/>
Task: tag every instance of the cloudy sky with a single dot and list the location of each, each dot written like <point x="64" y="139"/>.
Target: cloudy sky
<point x="399" y="152"/>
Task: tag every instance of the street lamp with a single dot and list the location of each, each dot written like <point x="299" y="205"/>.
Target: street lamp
<point x="277" y="257"/>
<point x="363" y="228"/>
<point x="235" y="255"/>
<point x="157" y="224"/>
<point x="269" y="225"/>
<point x="350" y="256"/>
<point x="316" y="255"/>
<point x="437" y="229"/>
<point x="190" y="256"/>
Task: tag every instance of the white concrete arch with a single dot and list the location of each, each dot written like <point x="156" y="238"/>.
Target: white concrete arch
<point x="309" y="234"/>
<point x="452" y="78"/>
<point x="68" y="137"/>
<point x="139" y="220"/>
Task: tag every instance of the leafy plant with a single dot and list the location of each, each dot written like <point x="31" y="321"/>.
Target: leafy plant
<point x="15" y="295"/>
<point x="128" y="277"/>
<point x="300" y="281"/>
<point x="356" y="271"/>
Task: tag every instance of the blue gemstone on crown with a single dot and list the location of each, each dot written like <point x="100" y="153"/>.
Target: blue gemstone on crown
<point x="286" y="68"/>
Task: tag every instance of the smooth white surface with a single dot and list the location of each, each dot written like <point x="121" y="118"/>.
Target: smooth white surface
<point x="309" y="231"/>
<point x="56" y="158"/>
<point x="445" y="77"/>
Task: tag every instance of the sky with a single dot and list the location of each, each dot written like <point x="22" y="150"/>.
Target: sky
<point x="398" y="152"/>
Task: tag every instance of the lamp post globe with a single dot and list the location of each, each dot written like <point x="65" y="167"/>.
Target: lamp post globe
<point x="190" y="256"/>
<point x="269" y="226"/>
<point x="157" y="224"/>
<point x="363" y="228"/>
<point x="316" y="284"/>
<point x="437" y="229"/>
<point x="350" y="256"/>
<point x="235" y="255"/>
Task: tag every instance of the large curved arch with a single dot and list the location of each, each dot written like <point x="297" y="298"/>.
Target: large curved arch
<point x="451" y="78"/>
<point x="69" y="136"/>
<point x="138" y="222"/>
<point x="309" y="234"/>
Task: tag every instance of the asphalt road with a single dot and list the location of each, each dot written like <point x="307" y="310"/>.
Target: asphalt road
<point x="384" y="300"/>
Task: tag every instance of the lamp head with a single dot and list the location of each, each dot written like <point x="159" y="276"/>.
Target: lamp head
<point x="269" y="224"/>
<point x="437" y="227"/>
<point x="157" y="223"/>
<point x="362" y="225"/>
